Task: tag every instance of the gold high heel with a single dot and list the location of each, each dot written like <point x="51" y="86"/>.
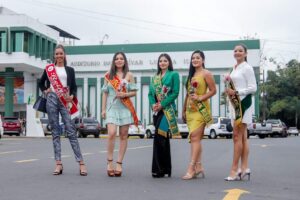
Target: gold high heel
<point x="189" y="176"/>
<point x="58" y="172"/>
<point x="118" y="173"/>
<point x="110" y="172"/>
<point x="199" y="172"/>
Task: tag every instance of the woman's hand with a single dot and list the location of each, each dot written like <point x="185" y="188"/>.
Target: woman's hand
<point x="121" y="94"/>
<point x="194" y="97"/>
<point x="47" y="91"/>
<point x="69" y="98"/>
<point x="103" y="114"/>
<point x="230" y="92"/>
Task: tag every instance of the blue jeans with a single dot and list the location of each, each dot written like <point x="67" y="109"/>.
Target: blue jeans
<point x="54" y="107"/>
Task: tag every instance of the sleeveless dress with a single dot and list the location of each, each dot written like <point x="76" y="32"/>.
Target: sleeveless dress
<point x="193" y="117"/>
<point x="116" y="112"/>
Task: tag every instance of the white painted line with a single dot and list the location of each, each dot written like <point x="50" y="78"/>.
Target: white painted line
<point x="141" y="147"/>
<point x="86" y="154"/>
<point x="26" y="161"/>
<point x="9" y="152"/>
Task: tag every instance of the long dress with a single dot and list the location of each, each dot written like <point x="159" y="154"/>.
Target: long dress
<point x="194" y="118"/>
<point x="243" y="78"/>
<point x="161" y="162"/>
<point x="116" y="112"/>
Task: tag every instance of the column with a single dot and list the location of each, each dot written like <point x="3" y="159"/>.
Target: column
<point x="9" y="92"/>
<point x="85" y="96"/>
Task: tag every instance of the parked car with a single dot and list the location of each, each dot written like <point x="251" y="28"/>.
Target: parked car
<point x="183" y="129"/>
<point x="150" y="130"/>
<point x="47" y="127"/>
<point x="262" y="130"/>
<point x="1" y="127"/>
<point x="293" y="131"/>
<point x="278" y="127"/>
<point x="87" y="126"/>
<point x="137" y="131"/>
<point x="12" y="126"/>
<point x="219" y="128"/>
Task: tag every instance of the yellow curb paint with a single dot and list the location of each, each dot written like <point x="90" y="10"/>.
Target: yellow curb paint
<point x="9" y="152"/>
<point x="26" y="161"/>
<point x="234" y="194"/>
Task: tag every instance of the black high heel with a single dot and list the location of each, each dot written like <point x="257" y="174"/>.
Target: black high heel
<point x="82" y="173"/>
<point x="58" y="172"/>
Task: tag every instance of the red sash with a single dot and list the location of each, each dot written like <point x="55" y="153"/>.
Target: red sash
<point x="126" y="101"/>
<point x="62" y="91"/>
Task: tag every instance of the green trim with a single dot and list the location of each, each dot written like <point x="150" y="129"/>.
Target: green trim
<point x="79" y="81"/>
<point x="9" y="92"/>
<point x="161" y="47"/>
<point x="30" y="30"/>
<point x="4" y="39"/>
<point x="102" y="83"/>
<point x="257" y="94"/>
<point x="92" y="81"/>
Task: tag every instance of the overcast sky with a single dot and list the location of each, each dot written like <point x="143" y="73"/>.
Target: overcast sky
<point x="275" y="22"/>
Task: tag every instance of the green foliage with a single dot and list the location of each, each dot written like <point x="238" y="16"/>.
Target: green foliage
<point x="282" y="90"/>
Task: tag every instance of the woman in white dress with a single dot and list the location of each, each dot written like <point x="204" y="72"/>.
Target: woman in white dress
<point x="242" y="84"/>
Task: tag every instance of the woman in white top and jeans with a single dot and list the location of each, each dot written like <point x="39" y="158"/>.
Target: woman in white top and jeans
<point x="54" y="106"/>
<point x="243" y="79"/>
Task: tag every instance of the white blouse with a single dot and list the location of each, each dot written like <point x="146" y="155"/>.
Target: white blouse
<point x="62" y="74"/>
<point x="244" y="80"/>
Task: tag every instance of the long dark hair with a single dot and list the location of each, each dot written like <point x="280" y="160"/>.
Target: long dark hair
<point x="170" y="67"/>
<point x="192" y="68"/>
<point x="113" y="71"/>
<point x="244" y="47"/>
<point x="60" y="46"/>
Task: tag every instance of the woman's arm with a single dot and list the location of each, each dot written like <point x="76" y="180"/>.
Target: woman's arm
<point x="175" y="91"/>
<point x="42" y="81"/>
<point x="104" y="101"/>
<point x="251" y="81"/>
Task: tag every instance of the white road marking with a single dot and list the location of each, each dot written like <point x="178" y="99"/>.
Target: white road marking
<point x="26" y="161"/>
<point x="10" y="152"/>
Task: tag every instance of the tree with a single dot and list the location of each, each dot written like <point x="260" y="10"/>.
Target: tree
<point x="282" y="90"/>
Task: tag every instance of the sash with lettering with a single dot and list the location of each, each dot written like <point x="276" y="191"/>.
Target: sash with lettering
<point x="169" y="111"/>
<point x="126" y="101"/>
<point x="199" y="105"/>
<point x="61" y="91"/>
<point x="239" y="106"/>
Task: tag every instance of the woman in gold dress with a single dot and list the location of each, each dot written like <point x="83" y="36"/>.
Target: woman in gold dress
<point x="196" y="111"/>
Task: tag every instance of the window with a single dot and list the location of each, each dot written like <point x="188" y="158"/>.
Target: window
<point x="26" y="42"/>
<point x="3" y="41"/>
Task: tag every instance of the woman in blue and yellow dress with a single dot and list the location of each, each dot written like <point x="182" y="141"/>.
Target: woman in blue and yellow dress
<point x="163" y="92"/>
<point x="196" y="110"/>
<point x="117" y="109"/>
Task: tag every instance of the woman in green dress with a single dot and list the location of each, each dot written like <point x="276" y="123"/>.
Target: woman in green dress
<point x="163" y="92"/>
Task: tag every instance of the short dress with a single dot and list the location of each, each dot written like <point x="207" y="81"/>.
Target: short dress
<point x="116" y="112"/>
<point x="194" y="118"/>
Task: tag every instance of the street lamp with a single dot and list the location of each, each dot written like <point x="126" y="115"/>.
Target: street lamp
<point x="105" y="36"/>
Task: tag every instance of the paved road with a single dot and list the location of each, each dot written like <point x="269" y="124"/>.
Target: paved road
<point x="26" y="165"/>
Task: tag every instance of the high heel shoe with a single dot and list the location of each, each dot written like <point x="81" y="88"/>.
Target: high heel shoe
<point x="110" y="172"/>
<point x="199" y="172"/>
<point x="189" y="176"/>
<point x="117" y="172"/>
<point x="247" y="173"/>
<point x="82" y="173"/>
<point x="58" y="172"/>
<point x="237" y="177"/>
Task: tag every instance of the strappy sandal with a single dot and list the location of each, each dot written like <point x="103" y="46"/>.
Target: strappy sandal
<point x="199" y="172"/>
<point x="82" y="173"/>
<point x="189" y="176"/>
<point x="118" y="173"/>
<point x="110" y="172"/>
<point x="58" y="172"/>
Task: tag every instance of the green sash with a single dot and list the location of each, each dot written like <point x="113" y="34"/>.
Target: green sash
<point x="169" y="111"/>
<point x="203" y="111"/>
<point x="239" y="106"/>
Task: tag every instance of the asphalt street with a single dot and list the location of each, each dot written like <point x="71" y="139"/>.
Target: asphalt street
<point x="26" y="166"/>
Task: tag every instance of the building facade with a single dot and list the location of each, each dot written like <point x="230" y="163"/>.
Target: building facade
<point x="92" y="62"/>
<point x="26" y="46"/>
